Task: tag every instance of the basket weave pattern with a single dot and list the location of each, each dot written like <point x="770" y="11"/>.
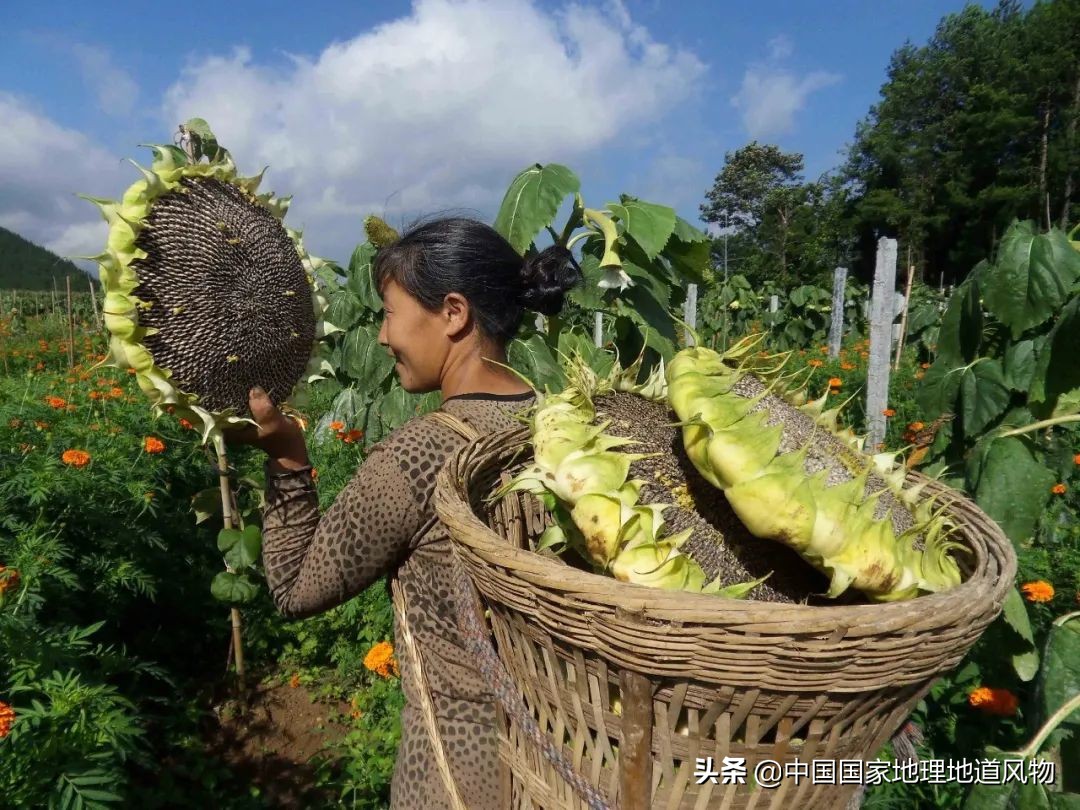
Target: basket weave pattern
<point x="728" y="678"/>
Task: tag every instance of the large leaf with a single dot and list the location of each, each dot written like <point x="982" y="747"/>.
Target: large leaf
<point x="532" y="201"/>
<point x="364" y="359"/>
<point x="348" y="406"/>
<point x="344" y="310"/>
<point x="962" y="324"/>
<point x="938" y="391"/>
<point x="588" y="294"/>
<point x="396" y="408"/>
<point x="240" y="548"/>
<point x="534" y="359"/>
<point x="647" y="278"/>
<point x="688" y="251"/>
<point x="652" y="319"/>
<point x="1012" y="487"/>
<point x="1020" y="365"/>
<point x="984" y="396"/>
<point x="1057" y="372"/>
<point x="1031" y="278"/>
<point x="233" y="589"/>
<point x="1025" y="659"/>
<point x="361" y="282"/>
<point x="648" y="224"/>
<point x="1060" y="681"/>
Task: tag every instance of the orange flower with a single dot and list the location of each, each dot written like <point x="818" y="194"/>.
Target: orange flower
<point x="994" y="701"/>
<point x="9" y="579"/>
<point x="95" y="395"/>
<point x="1058" y="489"/>
<point x="916" y="426"/>
<point x="294" y="681"/>
<point x="815" y="363"/>
<point x="835" y="382"/>
<point x="75" y="458"/>
<point x="116" y="393"/>
<point x="131" y="371"/>
<point x="864" y="355"/>
<point x="25" y="448"/>
<point x="184" y="423"/>
<point x="314" y="474"/>
<point x="1038" y="591"/>
<point x="7" y="719"/>
<point x="356" y="714"/>
<point x="337" y="425"/>
<point x="152" y="444"/>
<point x="889" y="412"/>
<point x="41" y="425"/>
<point x="56" y="402"/>
<point x="351" y="436"/>
<point x="924" y="365"/>
<point x="847" y="366"/>
<point x="1076" y="459"/>
<point x="380" y="659"/>
<point x="824" y="349"/>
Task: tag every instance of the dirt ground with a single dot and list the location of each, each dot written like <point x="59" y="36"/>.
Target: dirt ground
<point x="271" y="744"/>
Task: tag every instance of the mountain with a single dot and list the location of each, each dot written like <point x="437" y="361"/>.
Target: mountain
<point x="26" y="266"/>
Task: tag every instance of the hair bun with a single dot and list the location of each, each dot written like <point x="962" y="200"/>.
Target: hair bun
<point x="547" y="277"/>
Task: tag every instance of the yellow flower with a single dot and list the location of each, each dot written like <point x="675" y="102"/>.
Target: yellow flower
<point x="1038" y="591"/>
<point x="380" y="659"/>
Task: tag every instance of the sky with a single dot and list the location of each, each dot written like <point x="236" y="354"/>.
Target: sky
<point x="413" y="109"/>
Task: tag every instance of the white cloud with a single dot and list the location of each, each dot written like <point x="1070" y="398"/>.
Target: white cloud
<point x="771" y="95"/>
<point x="434" y="110"/>
<point x="116" y="91"/>
<point x="42" y="167"/>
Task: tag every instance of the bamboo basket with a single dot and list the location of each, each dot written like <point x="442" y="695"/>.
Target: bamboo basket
<point x="697" y="676"/>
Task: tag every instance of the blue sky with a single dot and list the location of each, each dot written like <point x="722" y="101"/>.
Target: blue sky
<point x="404" y="108"/>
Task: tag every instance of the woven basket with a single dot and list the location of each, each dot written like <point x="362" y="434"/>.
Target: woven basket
<point x="697" y="676"/>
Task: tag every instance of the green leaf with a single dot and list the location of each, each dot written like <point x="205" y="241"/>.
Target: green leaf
<point x="938" y="391"/>
<point x="1057" y="372"/>
<point x="360" y="279"/>
<point x="205" y="144"/>
<point x="1025" y="662"/>
<point x="689" y="259"/>
<point x="1031" y="278"/>
<point x="344" y="309"/>
<point x="685" y="232"/>
<point x="1060" y="679"/>
<point x="1020" y="365"/>
<point x="240" y="548"/>
<point x="233" y="589"/>
<point x="983" y="396"/>
<point x="1013" y="487"/>
<point x="532" y="201"/>
<point x="534" y="359"/>
<point x="588" y="295"/>
<point x="396" y="408"/>
<point x="648" y="224"/>
<point x="962" y="324"/>
<point x="646" y="277"/>
<point x="206" y="503"/>
<point x="364" y="359"/>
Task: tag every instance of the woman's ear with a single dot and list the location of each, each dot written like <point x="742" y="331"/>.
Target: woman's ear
<point x="457" y="313"/>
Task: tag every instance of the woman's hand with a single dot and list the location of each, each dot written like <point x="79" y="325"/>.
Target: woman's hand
<point x="278" y="435"/>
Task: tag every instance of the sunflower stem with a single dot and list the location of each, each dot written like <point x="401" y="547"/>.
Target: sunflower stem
<point x="1045" y="423"/>
<point x="227" y="519"/>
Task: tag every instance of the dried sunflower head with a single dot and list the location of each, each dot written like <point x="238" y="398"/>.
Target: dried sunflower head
<point x="207" y="294"/>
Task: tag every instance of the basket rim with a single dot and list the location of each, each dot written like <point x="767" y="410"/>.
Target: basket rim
<point x="993" y="567"/>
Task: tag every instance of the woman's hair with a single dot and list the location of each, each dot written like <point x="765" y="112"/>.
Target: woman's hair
<point x="455" y="254"/>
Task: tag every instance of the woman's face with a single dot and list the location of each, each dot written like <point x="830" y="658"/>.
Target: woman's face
<point x="416" y="337"/>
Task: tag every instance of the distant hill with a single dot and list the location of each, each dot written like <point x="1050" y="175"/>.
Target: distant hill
<point x="26" y="266"/>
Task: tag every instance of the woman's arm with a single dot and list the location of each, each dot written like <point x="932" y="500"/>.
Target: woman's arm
<point x="315" y="563"/>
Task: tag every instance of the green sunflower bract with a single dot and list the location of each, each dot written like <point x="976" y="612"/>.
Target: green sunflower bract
<point x="207" y="294"/>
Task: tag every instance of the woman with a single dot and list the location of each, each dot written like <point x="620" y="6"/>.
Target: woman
<point x="454" y="293"/>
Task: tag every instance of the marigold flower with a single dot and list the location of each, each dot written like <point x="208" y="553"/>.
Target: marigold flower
<point x="337" y="425"/>
<point x="314" y="474"/>
<point x="1038" y="591"/>
<point x="152" y="444"/>
<point x="184" y="423"/>
<point x="889" y="412"/>
<point x="351" y="436"/>
<point x="835" y="382"/>
<point x="116" y="392"/>
<point x="380" y="659"/>
<point x="7" y="719"/>
<point x="924" y="365"/>
<point x="294" y="681"/>
<point x="95" y="395"/>
<point x="1076" y="459"/>
<point x="56" y="402"/>
<point x="75" y="458"/>
<point x="41" y="425"/>
<point x="9" y="579"/>
<point x="916" y="426"/>
<point x="847" y="366"/>
<point x="25" y="448"/>
<point x="1058" y="489"/>
<point x="991" y="700"/>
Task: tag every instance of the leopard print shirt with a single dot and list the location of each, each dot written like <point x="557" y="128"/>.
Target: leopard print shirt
<point x="383" y="523"/>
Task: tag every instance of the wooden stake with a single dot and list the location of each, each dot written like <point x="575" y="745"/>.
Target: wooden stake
<point x="93" y="301"/>
<point x="70" y="325"/>
<point x="690" y="313"/>
<point x="227" y="519"/>
<point x="882" y="315"/>
<point x="836" y="326"/>
<point x="635" y="748"/>
<point x="903" y="316"/>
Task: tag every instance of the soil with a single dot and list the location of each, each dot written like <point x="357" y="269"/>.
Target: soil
<point x="273" y="742"/>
